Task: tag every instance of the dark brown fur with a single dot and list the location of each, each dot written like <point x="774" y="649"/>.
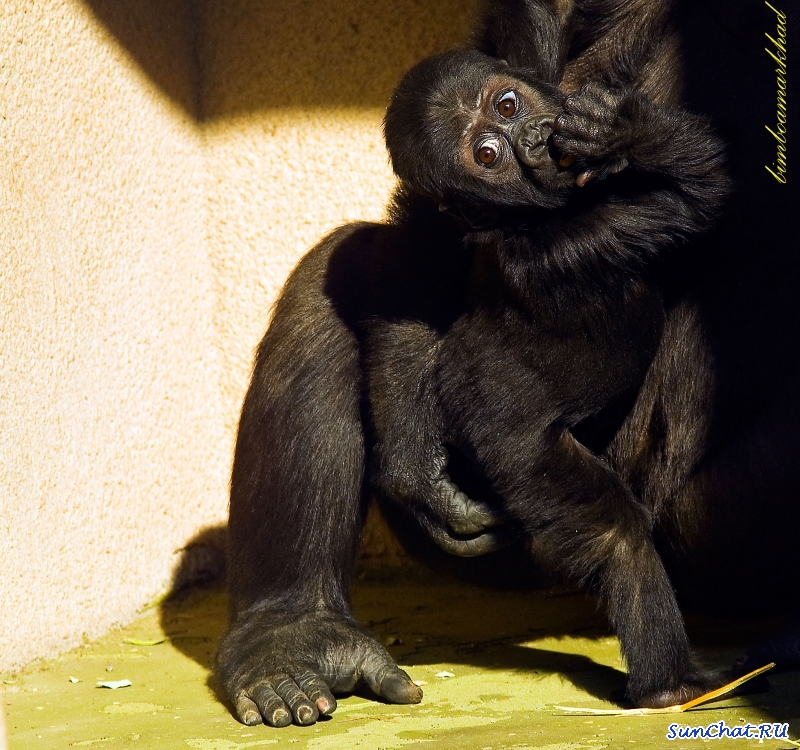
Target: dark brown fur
<point x="554" y="347"/>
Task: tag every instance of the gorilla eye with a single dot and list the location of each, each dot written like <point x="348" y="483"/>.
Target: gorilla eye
<point x="487" y="153"/>
<point x="507" y="105"/>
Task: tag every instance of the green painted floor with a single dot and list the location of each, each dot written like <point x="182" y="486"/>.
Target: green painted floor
<point x="512" y="657"/>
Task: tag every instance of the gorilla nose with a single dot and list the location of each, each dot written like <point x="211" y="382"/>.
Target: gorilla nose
<point x="530" y="143"/>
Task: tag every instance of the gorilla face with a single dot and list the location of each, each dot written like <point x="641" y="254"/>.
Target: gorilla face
<point x="509" y="127"/>
<point x="465" y="128"/>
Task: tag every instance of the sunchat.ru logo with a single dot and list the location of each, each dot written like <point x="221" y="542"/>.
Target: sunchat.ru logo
<point x="719" y="729"/>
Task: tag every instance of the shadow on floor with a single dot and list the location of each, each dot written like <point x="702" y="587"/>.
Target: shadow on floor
<point x="431" y="620"/>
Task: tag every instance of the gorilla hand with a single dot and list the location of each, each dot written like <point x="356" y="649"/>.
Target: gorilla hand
<point x="460" y="525"/>
<point x="284" y="668"/>
<point x="599" y="127"/>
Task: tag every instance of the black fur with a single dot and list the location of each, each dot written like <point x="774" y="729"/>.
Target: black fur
<point x="532" y="325"/>
<point x="563" y="319"/>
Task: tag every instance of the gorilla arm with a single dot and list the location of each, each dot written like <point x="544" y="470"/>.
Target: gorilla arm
<point x="529" y="34"/>
<point x="409" y="456"/>
<point x="416" y="274"/>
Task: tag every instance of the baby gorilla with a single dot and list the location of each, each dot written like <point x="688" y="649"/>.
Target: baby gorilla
<point x="506" y="309"/>
<point x="561" y="208"/>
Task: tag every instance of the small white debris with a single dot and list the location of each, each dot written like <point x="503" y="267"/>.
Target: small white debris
<point x="444" y="675"/>
<point x="114" y="684"/>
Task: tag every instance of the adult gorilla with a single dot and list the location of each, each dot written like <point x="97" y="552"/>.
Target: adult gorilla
<point x="531" y="325"/>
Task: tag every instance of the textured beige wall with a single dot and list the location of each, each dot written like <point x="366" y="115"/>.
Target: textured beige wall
<point x="164" y="164"/>
<point x="293" y="98"/>
<point x="110" y="410"/>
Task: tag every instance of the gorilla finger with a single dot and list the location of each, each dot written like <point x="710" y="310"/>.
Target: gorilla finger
<point x="460" y="513"/>
<point x="482" y="515"/>
<point x="587" y="107"/>
<point x="571" y="126"/>
<point x="475" y="547"/>
<point x="303" y="710"/>
<point x="450" y="506"/>
<point x="317" y="691"/>
<point x="597" y="92"/>
<point x="580" y="129"/>
<point x="392" y="683"/>
<point x="567" y="144"/>
<point x="564" y="125"/>
<point x="247" y="711"/>
<point x="273" y="710"/>
<point x="468" y="516"/>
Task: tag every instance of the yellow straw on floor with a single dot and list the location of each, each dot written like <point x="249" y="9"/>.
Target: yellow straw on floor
<point x="705" y="698"/>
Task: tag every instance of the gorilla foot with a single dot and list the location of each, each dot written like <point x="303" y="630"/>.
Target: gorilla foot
<point x="693" y="686"/>
<point x="697" y="685"/>
<point x="284" y="668"/>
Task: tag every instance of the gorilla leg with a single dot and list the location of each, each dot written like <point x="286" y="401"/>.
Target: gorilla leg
<point x="296" y="515"/>
<point x="582" y="519"/>
<point x="709" y="495"/>
<point x="665" y="436"/>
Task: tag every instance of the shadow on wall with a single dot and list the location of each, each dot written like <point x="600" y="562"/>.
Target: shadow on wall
<point x="162" y="36"/>
<point x="194" y="614"/>
<point x="203" y="561"/>
<point x="221" y="58"/>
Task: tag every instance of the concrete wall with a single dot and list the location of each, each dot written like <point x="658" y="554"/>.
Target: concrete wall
<point x="163" y="165"/>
